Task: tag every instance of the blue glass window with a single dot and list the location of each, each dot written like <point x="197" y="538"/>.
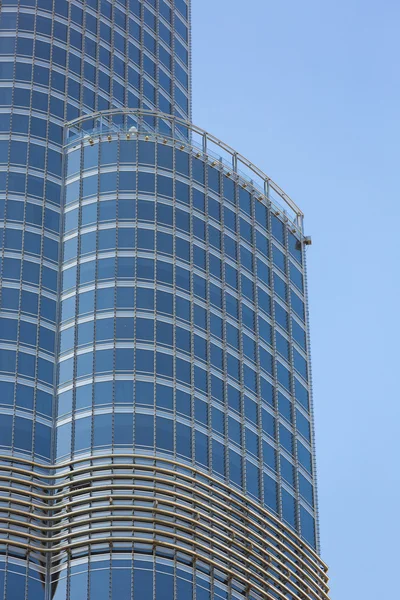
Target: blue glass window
<point x="301" y="394"/>
<point x="164" y="434"/>
<point x="142" y="583"/>
<point x="278" y="230"/>
<point x="269" y="455"/>
<point x="304" y="457"/>
<point x="201" y="448"/>
<point x="270" y="493"/>
<point x="300" y="364"/>
<point x="287" y="471"/>
<point x="278" y="258"/>
<point x="235" y="468"/>
<point x="295" y="247"/>
<point x="299" y="334"/>
<point x="252" y="480"/>
<point x="286" y="438"/>
<point x="306" y="489"/>
<point x="229" y="189"/>
<point x="5" y="429"/>
<point x="245" y="201"/>
<point x="307" y="525"/>
<point x="296" y="277"/>
<point x="288" y="508"/>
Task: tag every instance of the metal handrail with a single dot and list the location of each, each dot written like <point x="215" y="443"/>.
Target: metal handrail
<point x="208" y="145"/>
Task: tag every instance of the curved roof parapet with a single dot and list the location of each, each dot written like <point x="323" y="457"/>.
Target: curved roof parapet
<point x="203" y="144"/>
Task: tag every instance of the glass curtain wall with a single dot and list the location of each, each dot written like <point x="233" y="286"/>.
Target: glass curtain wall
<point x="182" y="337"/>
<point x="59" y="59"/>
<point x="156" y="427"/>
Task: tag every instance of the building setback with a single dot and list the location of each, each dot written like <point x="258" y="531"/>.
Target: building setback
<point x="156" y="421"/>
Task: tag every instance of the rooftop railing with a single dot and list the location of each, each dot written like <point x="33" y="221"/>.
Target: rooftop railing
<point x="203" y="144"/>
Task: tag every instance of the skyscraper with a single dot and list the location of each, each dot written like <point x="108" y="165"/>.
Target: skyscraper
<point x="156" y="434"/>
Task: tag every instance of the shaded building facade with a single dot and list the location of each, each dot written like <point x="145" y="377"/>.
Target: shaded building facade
<point x="156" y="432"/>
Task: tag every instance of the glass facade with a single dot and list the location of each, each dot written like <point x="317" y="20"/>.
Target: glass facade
<point x="156" y="432"/>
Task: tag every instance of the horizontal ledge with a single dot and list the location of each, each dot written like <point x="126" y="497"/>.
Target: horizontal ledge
<point x="237" y="496"/>
<point x="220" y="529"/>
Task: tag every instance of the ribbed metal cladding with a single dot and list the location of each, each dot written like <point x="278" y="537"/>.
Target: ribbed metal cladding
<point x="156" y="435"/>
<point x="121" y="507"/>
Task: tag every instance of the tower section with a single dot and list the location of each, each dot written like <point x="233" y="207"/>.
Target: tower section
<point x="184" y="453"/>
<point x="156" y="426"/>
<point x="59" y="60"/>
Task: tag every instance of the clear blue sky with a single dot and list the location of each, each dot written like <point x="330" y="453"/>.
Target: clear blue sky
<point x="310" y="92"/>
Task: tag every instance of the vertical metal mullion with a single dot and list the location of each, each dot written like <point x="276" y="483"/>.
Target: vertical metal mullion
<point x="311" y="403"/>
